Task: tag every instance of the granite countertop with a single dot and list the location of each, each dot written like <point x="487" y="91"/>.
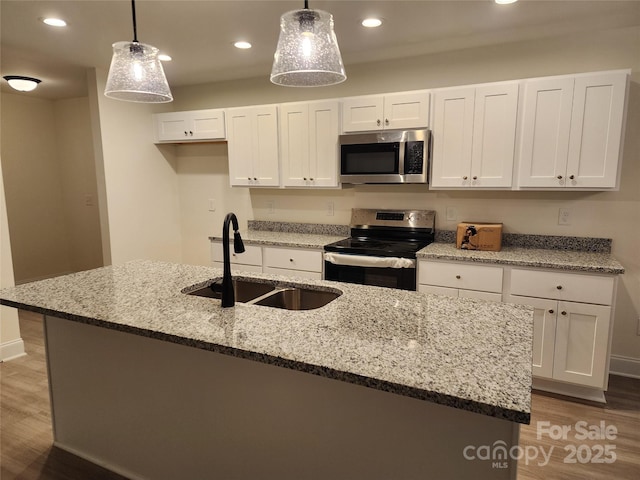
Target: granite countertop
<point x="464" y="353"/>
<point x="286" y="239"/>
<point x="592" y="262"/>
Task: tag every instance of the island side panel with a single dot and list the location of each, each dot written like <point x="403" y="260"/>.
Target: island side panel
<point x="152" y="409"/>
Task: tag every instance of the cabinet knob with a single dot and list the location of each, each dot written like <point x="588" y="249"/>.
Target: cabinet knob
<point x="291" y="259"/>
<point x="185" y="133"/>
<point x="386" y="121"/>
<point x="458" y="277"/>
<point x="475" y="177"/>
<point x="233" y="254"/>
<point x="563" y="312"/>
<point x="311" y="178"/>
<point x="190" y="133"/>
<point x="304" y="178"/>
<point x="571" y="177"/>
<point x="465" y="177"/>
<point x="378" y="122"/>
<point x="559" y="177"/>
<point x="559" y="287"/>
<point x="551" y="310"/>
<point x="255" y="178"/>
<point x="249" y="178"/>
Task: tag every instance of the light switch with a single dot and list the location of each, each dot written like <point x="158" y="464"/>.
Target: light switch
<point x="212" y="204"/>
<point x="452" y="214"/>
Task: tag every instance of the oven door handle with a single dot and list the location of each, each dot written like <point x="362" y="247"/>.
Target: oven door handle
<point x="368" y="260"/>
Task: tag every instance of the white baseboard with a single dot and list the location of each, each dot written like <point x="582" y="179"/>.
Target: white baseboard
<point x="625" y="366"/>
<point x="11" y="350"/>
<point x="569" y="389"/>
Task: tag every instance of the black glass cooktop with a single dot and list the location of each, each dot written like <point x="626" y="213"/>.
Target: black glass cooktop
<point x="378" y="246"/>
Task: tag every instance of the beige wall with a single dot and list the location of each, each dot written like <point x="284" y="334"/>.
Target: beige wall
<point x="141" y="181"/>
<point x="11" y="345"/>
<point x="49" y="174"/>
<point x="203" y="173"/>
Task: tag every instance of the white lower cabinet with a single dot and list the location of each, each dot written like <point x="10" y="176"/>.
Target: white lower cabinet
<point x="457" y="279"/>
<point x="295" y="262"/>
<point x="571" y="337"/>
<point x="249" y="261"/>
<point x="289" y="262"/>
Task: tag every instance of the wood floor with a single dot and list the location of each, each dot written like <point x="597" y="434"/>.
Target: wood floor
<point x="26" y="450"/>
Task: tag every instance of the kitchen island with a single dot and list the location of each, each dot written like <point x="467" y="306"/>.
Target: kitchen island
<point x="379" y="383"/>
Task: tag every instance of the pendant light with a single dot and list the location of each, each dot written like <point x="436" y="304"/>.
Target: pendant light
<point x="308" y="54"/>
<point x="136" y="73"/>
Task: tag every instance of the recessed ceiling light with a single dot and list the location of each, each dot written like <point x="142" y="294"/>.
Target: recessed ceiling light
<point x="505" y="2"/>
<point x="242" y="45"/>
<point x="371" y="22"/>
<point x="164" y="57"/>
<point x="22" y="84"/>
<point x="54" y="22"/>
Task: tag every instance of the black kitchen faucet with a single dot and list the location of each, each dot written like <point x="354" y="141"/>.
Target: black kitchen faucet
<point x="228" y="295"/>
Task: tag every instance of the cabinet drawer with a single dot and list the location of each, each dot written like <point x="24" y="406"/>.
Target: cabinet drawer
<point x="251" y="256"/>
<point x="460" y="275"/>
<point x="562" y="286"/>
<point x="239" y="267"/>
<point x="294" y="273"/>
<point x="293" y="259"/>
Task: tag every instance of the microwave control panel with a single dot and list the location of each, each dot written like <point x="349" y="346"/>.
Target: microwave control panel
<point x="414" y="157"/>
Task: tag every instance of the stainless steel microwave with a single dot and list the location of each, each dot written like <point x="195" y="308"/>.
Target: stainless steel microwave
<point x="389" y="156"/>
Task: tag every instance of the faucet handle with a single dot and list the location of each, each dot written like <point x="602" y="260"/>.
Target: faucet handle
<point x="238" y="245"/>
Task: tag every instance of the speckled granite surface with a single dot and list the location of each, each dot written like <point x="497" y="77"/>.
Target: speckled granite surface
<point x="527" y="257"/>
<point x="286" y="239"/>
<point x="464" y="353"/>
<point x="292" y="227"/>
<point x="544" y="242"/>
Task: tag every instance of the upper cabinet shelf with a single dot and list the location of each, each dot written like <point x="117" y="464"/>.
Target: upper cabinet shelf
<point x="385" y="112"/>
<point x="191" y="126"/>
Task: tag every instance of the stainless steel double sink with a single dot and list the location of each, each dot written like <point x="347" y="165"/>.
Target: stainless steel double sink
<point x="270" y="294"/>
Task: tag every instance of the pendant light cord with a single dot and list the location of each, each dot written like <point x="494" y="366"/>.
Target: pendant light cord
<point x="135" y="26"/>
<point x="306" y="4"/>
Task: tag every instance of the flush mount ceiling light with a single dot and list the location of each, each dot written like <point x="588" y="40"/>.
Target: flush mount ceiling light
<point x="242" y="45"/>
<point x="307" y="53"/>
<point x="22" y="84"/>
<point x="505" y="2"/>
<point x="136" y="73"/>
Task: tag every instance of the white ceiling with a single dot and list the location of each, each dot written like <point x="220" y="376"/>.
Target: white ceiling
<point x="199" y="34"/>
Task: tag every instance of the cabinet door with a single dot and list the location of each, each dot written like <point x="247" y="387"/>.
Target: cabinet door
<point x="239" y="144"/>
<point x="452" y="137"/>
<point x="596" y="130"/>
<point x="545" y="132"/>
<point x="172" y="126"/>
<point x="265" y="146"/>
<point x="582" y="340"/>
<point x="361" y="114"/>
<point x="406" y="110"/>
<point x="324" y="129"/>
<point x="207" y="124"/>
<point x="294" y="144"/>
<point x="494" y="135"/>
<point x="544" y="333"/>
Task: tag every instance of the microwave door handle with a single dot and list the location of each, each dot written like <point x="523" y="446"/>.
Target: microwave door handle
<point x="401" y="155"/>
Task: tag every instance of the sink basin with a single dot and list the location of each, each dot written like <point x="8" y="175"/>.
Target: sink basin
<point x="298" y="299"/>
<point x="287" y="296"/>
<point x="245" y="290"/>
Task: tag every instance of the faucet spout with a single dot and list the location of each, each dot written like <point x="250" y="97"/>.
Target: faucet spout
<point x="228" y="295"/>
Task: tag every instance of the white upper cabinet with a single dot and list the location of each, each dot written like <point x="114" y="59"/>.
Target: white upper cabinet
<point x="192" y="126"/>
<point x="572" y="131"/>
<point x="309" y="144"/>
<point x="391" y="111"/>
<point x="474" y="132"/>
<point x="252" y="135"/>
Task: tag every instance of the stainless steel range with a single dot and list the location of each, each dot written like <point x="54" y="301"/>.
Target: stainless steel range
<point x="382" y="248"/>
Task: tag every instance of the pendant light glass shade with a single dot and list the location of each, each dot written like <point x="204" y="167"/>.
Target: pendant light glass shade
<point x="308" y="54"/>
<point x="136" y="74"/>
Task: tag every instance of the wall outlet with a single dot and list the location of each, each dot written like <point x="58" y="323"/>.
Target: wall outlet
<point x="330" y="209"/>
<point x="564" y="216"/>
<point x="88" y="200"/>
<point x="212" y="204"/>
<point x="452" y="214"/>
<point x="271" y="207"/>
